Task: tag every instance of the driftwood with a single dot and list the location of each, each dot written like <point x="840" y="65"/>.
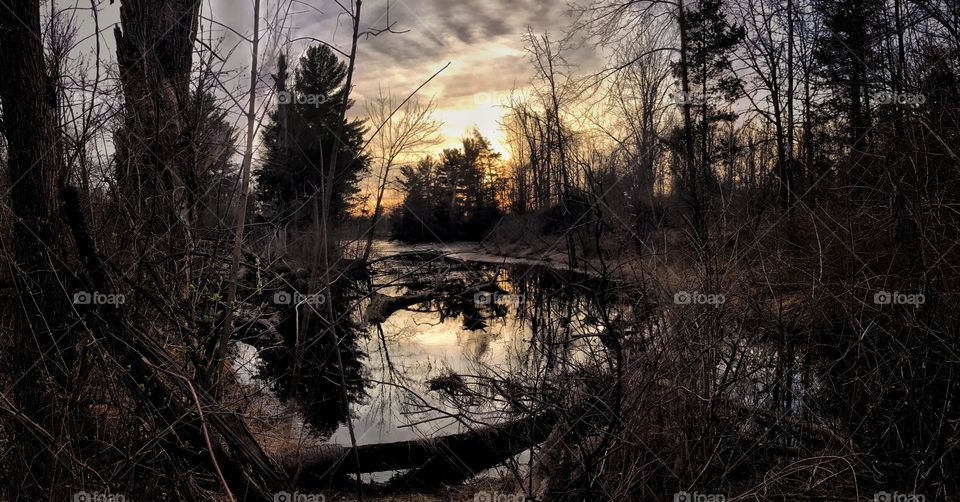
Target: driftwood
<point x="382" y="306"/>
<point x="430" y="462"/>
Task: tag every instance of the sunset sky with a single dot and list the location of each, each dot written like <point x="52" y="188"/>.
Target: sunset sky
<point x="481" y="39"/>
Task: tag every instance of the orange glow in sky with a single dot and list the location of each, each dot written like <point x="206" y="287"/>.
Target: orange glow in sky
<point x="483" y="112"/>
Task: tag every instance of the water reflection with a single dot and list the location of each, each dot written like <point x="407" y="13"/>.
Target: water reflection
<point x="321" y="399"/>
<point x="472" y="349"/>
<point x="450" y="360"/>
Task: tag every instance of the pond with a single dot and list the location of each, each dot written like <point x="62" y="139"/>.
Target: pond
<point x="480" y="333"/>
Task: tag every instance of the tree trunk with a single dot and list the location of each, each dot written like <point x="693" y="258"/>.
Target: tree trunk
<point x="790" y="174"/>
<point x="154" y="55"/>
<point x="435" y="461"/>
<point x="39" y="364"/>
<point x="691" y="189"/>
<point x="227" y="328"/>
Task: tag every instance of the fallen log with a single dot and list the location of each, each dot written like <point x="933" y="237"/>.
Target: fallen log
<point x="382" y="306"/>
<point x="430" y="462"/>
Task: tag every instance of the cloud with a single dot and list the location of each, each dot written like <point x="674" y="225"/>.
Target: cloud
<point x="481" y="39"/>
<point x="440" y="28"/>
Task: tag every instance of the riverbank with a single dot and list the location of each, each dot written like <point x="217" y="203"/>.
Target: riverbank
<point x="486" y="252"/>
<point x="479" y="489"/>
<point x="618" y="258"/>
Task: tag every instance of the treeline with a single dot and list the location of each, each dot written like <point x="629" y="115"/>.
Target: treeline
<point x="712" y="105"/>
<point x="456" y="197"/>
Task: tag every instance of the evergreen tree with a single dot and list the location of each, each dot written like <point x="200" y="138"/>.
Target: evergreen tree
<point x="453" y="199"/>
<point x="712" y="39"/>
<point x="417" y="218"/>
<point x="300" y="139"/>
<point x="848" y="59"/>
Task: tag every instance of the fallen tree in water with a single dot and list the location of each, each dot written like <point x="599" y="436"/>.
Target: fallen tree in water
<point x="383" y="306"/>
<point x="429" y="462"/>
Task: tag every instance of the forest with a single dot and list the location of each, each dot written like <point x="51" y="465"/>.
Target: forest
<point x="489" y="251"/>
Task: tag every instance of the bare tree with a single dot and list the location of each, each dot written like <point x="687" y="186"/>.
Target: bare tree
<point x="227" y="327"/>
<point x="155" y="54"/>
<point x="405" y="131"/>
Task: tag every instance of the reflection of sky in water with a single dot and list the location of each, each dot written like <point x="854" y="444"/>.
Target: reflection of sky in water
<point x="424" y="345"/>
<point x="421" y="347"/>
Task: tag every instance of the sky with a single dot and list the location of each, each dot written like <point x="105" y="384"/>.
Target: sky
<point x="482" y="40"/>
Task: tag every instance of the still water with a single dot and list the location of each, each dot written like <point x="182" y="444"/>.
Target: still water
<point x="482" y="328"/>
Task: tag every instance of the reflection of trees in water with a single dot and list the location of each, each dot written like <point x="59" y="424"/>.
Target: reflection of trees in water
<point x="558" y="310"/>
<point x="561" y="308"/>
<point x="319" y="393"/>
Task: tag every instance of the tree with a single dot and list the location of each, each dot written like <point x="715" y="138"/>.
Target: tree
<point x="553" y="88"/>
<point x="457" y="197"/>
<point x="299" y="152"/>
<point x="403" y="130"/>
<point x="531" y="155"/>
<point x="226" y="330"/>
<point x="217" y="175"/>
<point x="705" y="39"/>
<point x="711" y="39"/>
<point x="155" y="172"/>
<point x="770" y="60"/>
<point x="637" y="103"/>
<point x="414" y="220"/>
<point x="848" y="61"/>
<point x="472" y="179"/>
<point x="40" y="361"/>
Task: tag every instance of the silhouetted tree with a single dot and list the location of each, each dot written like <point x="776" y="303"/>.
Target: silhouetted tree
<point x="298" y="152"/>
<point x="456" y="198"/>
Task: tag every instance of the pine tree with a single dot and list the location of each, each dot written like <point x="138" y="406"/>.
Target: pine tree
<point x="711" y="41"/>
<point x="849" y="59"/>
<point x="300" y="139"/>
<point x="454" y="198"/>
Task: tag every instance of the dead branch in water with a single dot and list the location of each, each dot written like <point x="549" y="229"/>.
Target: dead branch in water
<point x="432" y="462"/>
